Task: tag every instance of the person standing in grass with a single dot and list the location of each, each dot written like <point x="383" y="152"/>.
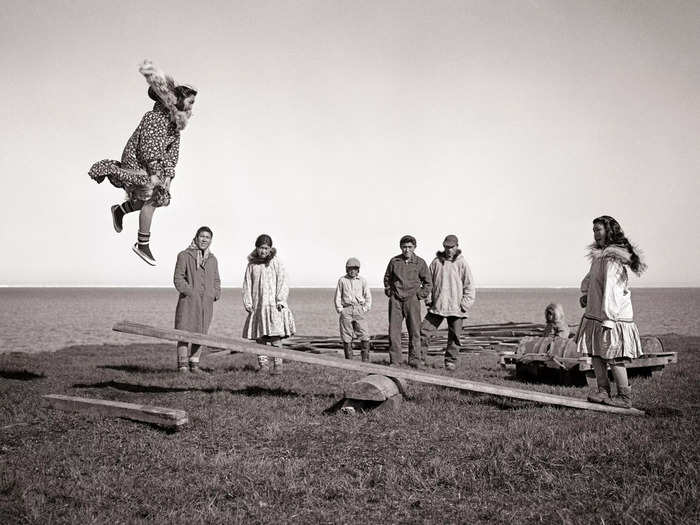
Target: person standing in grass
<point x="197" y="279"/>
<point x="265" y="293"/>
<point x="353" y="300"/>
<point x="452" y="297"/>
<point x="607" y="331"/>
<point x="406" y="282"/>
<point x="149" y="158"/>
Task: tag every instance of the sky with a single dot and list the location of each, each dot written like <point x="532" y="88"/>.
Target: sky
<point x="338" y="126"/>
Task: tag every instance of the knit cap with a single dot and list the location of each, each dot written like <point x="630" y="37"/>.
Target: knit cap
<point x="352" y="263"/>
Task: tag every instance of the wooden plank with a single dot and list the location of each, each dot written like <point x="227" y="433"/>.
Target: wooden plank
<point x="372" y="388"/>
<point x="243" y="345"/>
<point x="165" y="417"/>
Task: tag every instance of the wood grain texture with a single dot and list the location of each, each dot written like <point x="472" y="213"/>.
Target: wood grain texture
<point x="166" y="417"/>
<point x="245" y="346"/>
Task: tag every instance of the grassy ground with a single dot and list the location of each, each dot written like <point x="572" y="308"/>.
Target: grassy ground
<point x="262" y="449"/>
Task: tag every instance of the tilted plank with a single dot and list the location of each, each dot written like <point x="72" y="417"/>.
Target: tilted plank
<point x="242" y="345"/>
<point x="166" y="417"/>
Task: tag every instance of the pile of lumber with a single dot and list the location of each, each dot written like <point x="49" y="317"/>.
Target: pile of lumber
<point x="475" y="339"/>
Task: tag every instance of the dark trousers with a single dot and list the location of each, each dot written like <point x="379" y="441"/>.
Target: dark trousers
<point x="454" y="327"/>
<point x="399" y="310"/>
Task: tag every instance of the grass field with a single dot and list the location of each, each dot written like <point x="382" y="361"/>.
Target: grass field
<point x="263" y="449"/>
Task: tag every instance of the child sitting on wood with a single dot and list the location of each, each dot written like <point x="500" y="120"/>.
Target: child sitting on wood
<point x="353" y="300"/>
<point x="556" y="322"/>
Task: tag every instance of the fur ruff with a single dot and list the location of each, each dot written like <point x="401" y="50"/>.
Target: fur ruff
<point x="616" y="253"/>
<point x="443" y="256"/>
<point x="254" y="259"/>
<point x="164" y="86"/>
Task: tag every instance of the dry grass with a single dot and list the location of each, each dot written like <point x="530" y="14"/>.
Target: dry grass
<point x="261" y="449"/>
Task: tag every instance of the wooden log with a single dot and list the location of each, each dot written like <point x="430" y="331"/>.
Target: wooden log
<point x="372" y="388"/>
<point x="242" y="345"/>
<point x="165" y="417"/>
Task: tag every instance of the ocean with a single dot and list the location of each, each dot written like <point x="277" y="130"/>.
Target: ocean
<point x="48" y="319"/>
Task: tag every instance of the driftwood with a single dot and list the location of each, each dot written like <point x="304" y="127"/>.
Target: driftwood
<point x="165" y="417"/>
<point x="245" y="346"/>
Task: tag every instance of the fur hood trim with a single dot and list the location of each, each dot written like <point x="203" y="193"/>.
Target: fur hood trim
<point x="164" y="86"/>
<point x="443" y="257"/>
<point x="616" y="253"/>
<point x="254" y="259"/>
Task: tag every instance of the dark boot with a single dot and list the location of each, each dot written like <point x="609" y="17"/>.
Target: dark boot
<point x="347" y="348"/>
<point x="364" y="353"/>
<point x="117" y="217"/>
<point x="144" y="251"/>
<point x="623" y="399"/>
<point x="602" y="395"/>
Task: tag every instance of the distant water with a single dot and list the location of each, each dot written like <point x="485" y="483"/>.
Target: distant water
<point x="47" y="319"/>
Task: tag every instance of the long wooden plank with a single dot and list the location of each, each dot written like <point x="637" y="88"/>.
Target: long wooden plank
<point x="242" y="345"/>
<point x="165" y="417"/>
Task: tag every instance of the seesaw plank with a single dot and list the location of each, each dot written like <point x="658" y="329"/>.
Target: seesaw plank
<point x="245" y="346"/>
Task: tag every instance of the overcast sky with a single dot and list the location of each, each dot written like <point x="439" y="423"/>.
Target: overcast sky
<point x="338" y="126"/>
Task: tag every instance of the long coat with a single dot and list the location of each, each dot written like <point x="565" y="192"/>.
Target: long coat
<point x="199" y="287"/>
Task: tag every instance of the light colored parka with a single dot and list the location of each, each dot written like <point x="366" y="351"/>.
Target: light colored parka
<point x="453" y="292"/>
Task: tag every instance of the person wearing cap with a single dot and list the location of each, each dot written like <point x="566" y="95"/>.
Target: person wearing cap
<point x="197" y="280"/>
<point x="149" y="158"/>
<point x="353" y="300"/>
<point x="451" y="298"/>
<point x="407" y="281"/>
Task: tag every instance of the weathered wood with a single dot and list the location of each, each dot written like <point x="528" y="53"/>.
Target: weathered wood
<point x="165" y="417"/>
<point x="242" y="345"/>
<point x="372" y="388"/>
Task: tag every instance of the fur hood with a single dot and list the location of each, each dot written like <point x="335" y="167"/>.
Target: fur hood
<point x="558" y="325"/>
<point x="616" y="253"/>
<point x="443" y="257"/>
<point x="254" y="259"/>
<point x="164" y="86"/>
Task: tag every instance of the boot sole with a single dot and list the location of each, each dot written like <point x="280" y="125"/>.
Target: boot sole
<point x="150" y="261"/>
<point x="114" y="220"/>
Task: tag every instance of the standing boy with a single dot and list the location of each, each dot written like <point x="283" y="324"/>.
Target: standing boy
<point x="452" y="296"/>
<point x="353" y="300"/>
<point x="406" y="282"/>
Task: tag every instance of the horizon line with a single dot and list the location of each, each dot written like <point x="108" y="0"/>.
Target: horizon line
<point x="320" y="287"/>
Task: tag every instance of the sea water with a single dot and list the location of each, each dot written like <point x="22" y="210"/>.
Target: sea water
<point x="48" y="319"/>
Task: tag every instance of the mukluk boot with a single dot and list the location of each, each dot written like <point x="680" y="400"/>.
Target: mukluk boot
<point x="623" y="399"/>
<point x="364" y="352"/>
<point x="276" y="366"/>
<point x="263" y="363"/>
<point x="347" y="349"/>
<point x="602" y="395"/>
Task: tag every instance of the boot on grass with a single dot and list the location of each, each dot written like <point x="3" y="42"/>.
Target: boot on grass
<point x="364" y="353"/>
<point x="347" y="350"/>
<point x="602" y="395"/>
<point x="623" y="399"/>
<point x="263" y="363"/>
<point x="276" y="366"/>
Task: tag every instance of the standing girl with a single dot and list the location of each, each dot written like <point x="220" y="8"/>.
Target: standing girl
<point x="265" y="293"/>
<point x="149" y="158"/>
<point x="607" y="331"/>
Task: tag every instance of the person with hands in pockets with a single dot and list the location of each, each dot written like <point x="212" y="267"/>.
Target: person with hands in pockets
<point x="452" y="297"/>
